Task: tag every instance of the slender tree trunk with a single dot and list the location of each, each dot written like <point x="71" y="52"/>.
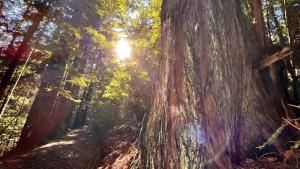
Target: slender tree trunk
<point x="292" y="9"/>
<point x="268" y="20"/>
<point x="283" y="7"/>
<point x="208" y="109"/>
<point x="80" y="118"/>
<point x="1" y="8"/>
<point x="259" y="23"/>
<point x="291" y="15"/>
<point x="276" y="22"/>
<point x="81" y="114"/>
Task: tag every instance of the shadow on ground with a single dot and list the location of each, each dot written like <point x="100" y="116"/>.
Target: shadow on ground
<point x="79" y="149"/>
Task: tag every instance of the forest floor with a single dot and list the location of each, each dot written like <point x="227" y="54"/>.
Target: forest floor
<point x="79" y="149"/>
<point x="82" y="149"/>
<point x="116" y="149"/>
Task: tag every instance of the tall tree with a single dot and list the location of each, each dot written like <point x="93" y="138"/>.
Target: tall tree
<point x="278" y="28"/>
<point x="51" y="106"/>
<point x="292" y="9"/>
<point x="258" y="22"/>
<point x="57" y="92"/>
<point x="207" y="109"/>
<point x="17" y="52"/>
<point x="274" y="75"/>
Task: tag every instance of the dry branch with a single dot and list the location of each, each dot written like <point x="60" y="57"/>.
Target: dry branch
<point x="273" y="58"/>
<point x="297" y="107"/>
<point x="290" y="122"/>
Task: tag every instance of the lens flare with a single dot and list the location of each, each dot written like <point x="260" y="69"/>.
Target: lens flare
<point x="123" y="49"/>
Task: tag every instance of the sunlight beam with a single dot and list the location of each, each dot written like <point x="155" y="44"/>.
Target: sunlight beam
<point x="123" y="49"/>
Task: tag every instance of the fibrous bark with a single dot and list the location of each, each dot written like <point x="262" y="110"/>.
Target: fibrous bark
<point x="259" y="24"/>
<point x="208" y="109"/>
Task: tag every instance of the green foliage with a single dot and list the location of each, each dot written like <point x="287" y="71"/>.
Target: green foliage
<point x="108" y="90"/>
<point x="118" y="87"/>
<point x="146" y="31"/>
<point x="144" y="75"/>
<point x="112" y="8"/>
<point x="79" y="81"/>
<point x="296" y="144"/>
<point x="125" y="92"/>
<point x="49" y="89"/>
<point x="98" y="38"/>
<point x="274" y="136"/>
<point x="68" y="95"/>
<point x="94" y="79"/>
<point x="272" y="14"/>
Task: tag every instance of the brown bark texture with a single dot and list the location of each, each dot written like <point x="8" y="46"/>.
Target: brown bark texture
<point x="292" y="9"/>
<point x="208" y="108"/>
<point x="259" y="24"/>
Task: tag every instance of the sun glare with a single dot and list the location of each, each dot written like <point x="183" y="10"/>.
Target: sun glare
<point x="123" y="49"/>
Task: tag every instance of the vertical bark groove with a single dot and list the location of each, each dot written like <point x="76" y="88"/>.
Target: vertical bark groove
<point x="205" y="109"/>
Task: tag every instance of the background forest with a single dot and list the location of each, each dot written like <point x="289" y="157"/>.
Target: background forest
<point x="60" y="71"/>
<point x="73" y="69"/>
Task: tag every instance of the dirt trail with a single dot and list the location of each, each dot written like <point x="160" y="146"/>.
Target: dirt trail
<point x="79" y="149"/>
<point x="84" y="149"/>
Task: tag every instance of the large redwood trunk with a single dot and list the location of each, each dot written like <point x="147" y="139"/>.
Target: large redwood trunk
<point x="207" y="109"/>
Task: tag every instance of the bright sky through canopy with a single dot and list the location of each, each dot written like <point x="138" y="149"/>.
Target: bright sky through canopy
<point x="123" y="49"/>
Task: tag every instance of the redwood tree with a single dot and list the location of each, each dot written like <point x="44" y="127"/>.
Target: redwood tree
<point x="208" y="109"/>
<point x="48" y="111"/>
<point x="18" y="53"/>
<point x="51" y="105"/>
<point x="258" y="22"/>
